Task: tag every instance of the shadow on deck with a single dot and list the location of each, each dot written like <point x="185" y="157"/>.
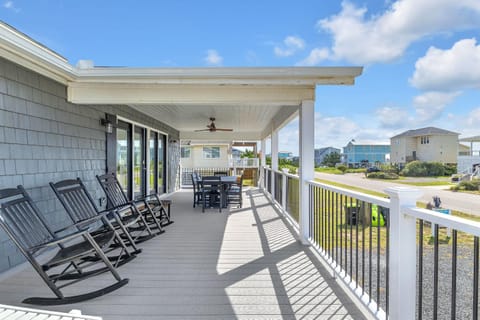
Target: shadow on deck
<point x="245" y="263"/>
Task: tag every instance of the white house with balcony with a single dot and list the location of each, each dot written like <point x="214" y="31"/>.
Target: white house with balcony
<point x="424" y="144"/>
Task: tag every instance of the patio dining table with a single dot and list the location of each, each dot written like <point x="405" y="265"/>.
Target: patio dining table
<point x="225" y="183"/>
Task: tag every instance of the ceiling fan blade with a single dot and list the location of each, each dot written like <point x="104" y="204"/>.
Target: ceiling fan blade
<point x="218" y="129"/>
<point x="201" y="130"/>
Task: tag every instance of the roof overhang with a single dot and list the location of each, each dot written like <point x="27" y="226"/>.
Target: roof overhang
<point x="251" y="101"/>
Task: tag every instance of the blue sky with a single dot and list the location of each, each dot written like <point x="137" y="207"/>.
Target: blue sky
<point x="421" y="58"/>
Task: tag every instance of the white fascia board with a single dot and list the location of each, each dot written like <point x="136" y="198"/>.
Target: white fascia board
<point x="292" y="76"/>
<point x="21" y="49"/>
<point x="122" y="93"/>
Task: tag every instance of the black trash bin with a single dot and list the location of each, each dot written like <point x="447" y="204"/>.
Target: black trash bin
<point x="352" y="211"/>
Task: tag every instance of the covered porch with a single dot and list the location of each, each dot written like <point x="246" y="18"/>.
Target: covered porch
<point x="239" y="264"/>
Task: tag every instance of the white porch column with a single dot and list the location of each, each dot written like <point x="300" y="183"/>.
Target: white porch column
<point x="263" y="159"/>
<point x="307" y="167"/>
<point x="403" y="258"/>
<point x="274" y="142"/>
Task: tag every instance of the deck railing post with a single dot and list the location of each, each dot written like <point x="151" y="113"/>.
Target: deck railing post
<point x="274" y="145"/>
<point x="402" y="256"/>
<point x="263" y="164"/>
<point x="284" y="191"/>
<point x="307" y="168"/>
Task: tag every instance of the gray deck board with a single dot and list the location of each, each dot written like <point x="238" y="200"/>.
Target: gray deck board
<point x="239" y="264"/>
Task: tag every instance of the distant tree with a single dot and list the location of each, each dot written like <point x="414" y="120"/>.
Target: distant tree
<point x="247" y="154"/>
<point x="331" y="159"/>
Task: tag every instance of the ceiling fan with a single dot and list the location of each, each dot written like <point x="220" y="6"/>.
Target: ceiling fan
<point x="212" y="128"/>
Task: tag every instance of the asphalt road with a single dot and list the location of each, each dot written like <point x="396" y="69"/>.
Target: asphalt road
<point x="464" y="202"/>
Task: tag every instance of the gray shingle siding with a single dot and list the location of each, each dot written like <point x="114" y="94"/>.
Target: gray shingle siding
<point x="44" y="138"/>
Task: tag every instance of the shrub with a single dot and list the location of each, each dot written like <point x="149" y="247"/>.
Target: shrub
<point x="383" y="175"/>
<point x="425" y="169"/>
<point x="342" y="168"/>
<point x="467" y="185"/>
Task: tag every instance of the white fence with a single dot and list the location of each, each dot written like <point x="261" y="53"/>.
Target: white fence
<point x="383" y="254"/>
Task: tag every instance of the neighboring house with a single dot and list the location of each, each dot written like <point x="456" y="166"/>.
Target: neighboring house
<point x="321" y="153"/>
<point x="204" y="156"/>
<point x="236" y="153"/>
<point x="425" y="144"/>
<point x="363" y="154"/>
<point x="284" y="155"/>
<point x="468" y="157"/>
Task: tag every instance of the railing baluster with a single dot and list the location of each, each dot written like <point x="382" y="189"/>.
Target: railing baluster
<point x="420" y="270"/>
<point x="379" y="239"/>
<point x="363" y="258"/>
<point x="387" y="276"/>
<point x="435" y="274"/>
<point x="370" y="258"/>
<point x="475" y="278"/>
<point x="454" y="276"/>
<point x="356" y="248"/>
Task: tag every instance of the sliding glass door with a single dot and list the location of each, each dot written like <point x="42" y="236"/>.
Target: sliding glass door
<point x="139" y="162"/>
<point x="139" y="159"/>
<point x="124" y="156"/>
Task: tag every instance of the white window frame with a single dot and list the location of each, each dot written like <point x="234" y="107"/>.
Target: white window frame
<point x="209" y="157"/>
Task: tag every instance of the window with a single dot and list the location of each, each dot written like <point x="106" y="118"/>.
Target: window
<point x="211" y="152"/>
<point x="425" y="140"/>
<point x="185" y="152"/>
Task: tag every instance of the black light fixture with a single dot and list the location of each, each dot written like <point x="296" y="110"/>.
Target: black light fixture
<point x="107" y="124"/>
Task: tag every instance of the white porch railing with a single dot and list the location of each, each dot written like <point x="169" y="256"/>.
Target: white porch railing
<point x="382" y="249"/>
<point x="243" y="162"/>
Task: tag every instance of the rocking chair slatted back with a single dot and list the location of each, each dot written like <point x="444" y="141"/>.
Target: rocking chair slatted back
<point x="113" y="190"/>
<point x="75" y="199"/>
<point x="20" y="219"/>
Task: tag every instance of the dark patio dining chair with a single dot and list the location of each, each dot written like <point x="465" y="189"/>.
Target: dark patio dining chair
<point x="119" y="201"/>
<point x="234" y="192"/>
<point x="212" y="192"/>
<point x="23" y="223"/>
<point x="197" y="190"/>
<point x="81" y="208"/>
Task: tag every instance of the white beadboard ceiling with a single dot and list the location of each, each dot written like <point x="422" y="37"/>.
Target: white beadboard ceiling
<point x="247" y="121"/>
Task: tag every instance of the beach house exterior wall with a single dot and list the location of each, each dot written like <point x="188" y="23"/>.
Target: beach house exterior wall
<point x="321" y="153"/>
<point x="44" y="138"/>
<point x="205" y="156"/>
<point x="357" y="154"/>
<point x="425" y="144"/>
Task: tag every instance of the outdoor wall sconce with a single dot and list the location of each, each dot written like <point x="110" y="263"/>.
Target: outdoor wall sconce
<point x="108" y="125"/>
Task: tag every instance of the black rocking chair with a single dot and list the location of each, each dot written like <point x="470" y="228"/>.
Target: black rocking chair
<point x="119" y="201"/>
<point x="21" y="220"/>
<point x="132" y="227"/>
<point x="81" y="208"/>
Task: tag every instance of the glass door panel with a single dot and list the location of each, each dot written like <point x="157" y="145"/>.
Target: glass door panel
<point x="152" y="170"/>
<point x="139" y="170"/>
<point x="123" y="156"/>
<point x="161" y="168"/>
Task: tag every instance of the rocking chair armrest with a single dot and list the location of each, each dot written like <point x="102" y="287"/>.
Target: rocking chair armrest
<point x="59" y="240"/>
<point x="82" y="225"/>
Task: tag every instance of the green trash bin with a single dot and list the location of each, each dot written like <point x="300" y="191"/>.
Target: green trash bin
<point x="377" y="216"/>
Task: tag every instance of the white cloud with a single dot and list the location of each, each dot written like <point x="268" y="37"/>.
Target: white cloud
<point x="473" y="119"/>
<point x="316" y="56"/>
<point x="453" y="69"/>
<point x="10" y="6"/>
<point x="213" y="58"/>
<point x="385" y="37"/>
<point x="392" y="117"/>
<point x="291" y="45"/>
<point x="430" y="105"/>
